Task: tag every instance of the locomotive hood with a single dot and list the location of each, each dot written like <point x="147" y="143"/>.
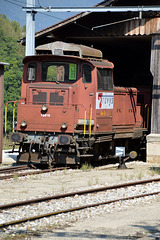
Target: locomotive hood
<point x="47" y="108"/>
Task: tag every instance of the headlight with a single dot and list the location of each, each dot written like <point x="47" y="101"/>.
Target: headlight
<point x="64" y="125"/>
<point x="44" y="108"/>
<point x="23" y="123"/>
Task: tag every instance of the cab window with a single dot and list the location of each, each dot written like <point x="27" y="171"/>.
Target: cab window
<point x="87" y="74"/>
<point x="31" y="71"/>
<point x="59" y="72"/>
<point x="104" y="79"/>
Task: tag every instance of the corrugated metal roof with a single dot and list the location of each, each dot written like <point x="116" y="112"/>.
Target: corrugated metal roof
<point x="136" y="27"/>
<point x="142" y="27"/>
<point x="83" y="23"/>
<point x="72" y="19"/>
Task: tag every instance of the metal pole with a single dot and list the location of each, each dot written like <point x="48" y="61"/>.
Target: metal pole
<point x="13" y="116"/>
<point x="1" y="109"/>
<point x="115" y="9"/>
<point x="5" y="121"/>
<point x="31" y="10"/>
<point x="30" y="29"/>
<point x="1" y="106"/>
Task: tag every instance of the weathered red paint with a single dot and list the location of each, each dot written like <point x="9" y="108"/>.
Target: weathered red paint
<point x="113" y="114"/>
<point x="78" y="98"/>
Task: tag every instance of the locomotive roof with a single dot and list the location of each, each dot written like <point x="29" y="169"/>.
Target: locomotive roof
<point x="50" y="57"/>
<point x="69" y="49"/>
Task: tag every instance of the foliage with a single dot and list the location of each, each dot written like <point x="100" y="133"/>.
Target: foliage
<point x="155" y="170"/>
<point x="6" y="143"/>
<point x="51" y="73"/>
<point x="86" y="166"/>
<point x="11" y="52"/>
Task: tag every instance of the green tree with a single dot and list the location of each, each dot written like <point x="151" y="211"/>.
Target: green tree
<point x="11" y="52"/>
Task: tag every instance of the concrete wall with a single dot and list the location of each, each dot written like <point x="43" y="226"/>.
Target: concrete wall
<point x="153" y="148"/>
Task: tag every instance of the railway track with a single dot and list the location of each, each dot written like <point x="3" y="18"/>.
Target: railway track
<point x="77" y="208"/>
<point x="14" y="170"/>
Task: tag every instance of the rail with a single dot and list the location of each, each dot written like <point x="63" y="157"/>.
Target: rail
<point x="22" y="174"/>
<point x="12" y="205"/>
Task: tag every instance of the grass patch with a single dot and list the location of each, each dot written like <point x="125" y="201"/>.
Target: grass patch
<point x="121" y="176"/>
<point x="86" y="166"/>
<point x="16" y="237"/>
<point x="62" y="188"/>
<point x="155" y="170"/>
<point x="89" y="183"/>
<point x="15" y="176"/>
<point x="131" y="177"/>
<point x="140" y="175"/>
<point x="7" y="143"/>
<point x="97" y="181"/>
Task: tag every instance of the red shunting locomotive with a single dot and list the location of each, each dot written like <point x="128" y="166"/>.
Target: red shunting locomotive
<point x="70" y="111"/>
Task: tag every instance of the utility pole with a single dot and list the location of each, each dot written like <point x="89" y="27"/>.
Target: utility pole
<point x="30" y="28"/>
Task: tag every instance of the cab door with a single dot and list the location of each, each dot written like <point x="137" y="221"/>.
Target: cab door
<point x="104" y="99"/>
<point x="86" y="100"/>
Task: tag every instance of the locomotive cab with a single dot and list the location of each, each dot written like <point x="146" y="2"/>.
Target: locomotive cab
<point x="70" y="110"/>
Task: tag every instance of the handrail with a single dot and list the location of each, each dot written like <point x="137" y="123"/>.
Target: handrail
<point x="90" y="121"/>
<point x="85" y="122"/>
<point x="148" y="112"/>
<point x="14" y="102"/>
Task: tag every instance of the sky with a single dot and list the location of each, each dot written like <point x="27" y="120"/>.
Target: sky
<point x="13" y="10"/>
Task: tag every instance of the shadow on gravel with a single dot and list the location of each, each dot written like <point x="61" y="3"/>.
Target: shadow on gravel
<point x="14" y="157"/>
<point x="151" y="231"/>
<point x="88" y="235"/>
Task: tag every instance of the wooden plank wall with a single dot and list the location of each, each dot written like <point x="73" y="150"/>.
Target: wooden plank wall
<point x="155" y="70"/>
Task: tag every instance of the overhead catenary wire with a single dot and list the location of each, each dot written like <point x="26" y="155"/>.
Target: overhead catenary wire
<point x="74" y="22"/>
<point x="13" y="3"/>
<point x="117" y="22"/>
<point x="39" y="3"/>
<point x="18" y="1"/>
<point x="58" y="18"/>
<point x="22" y="6"/>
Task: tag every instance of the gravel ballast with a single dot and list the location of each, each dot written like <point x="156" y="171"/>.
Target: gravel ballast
<point x="131" y="219"/>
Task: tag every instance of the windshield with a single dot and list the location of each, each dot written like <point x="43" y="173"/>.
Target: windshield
<point x="59" y="72"/>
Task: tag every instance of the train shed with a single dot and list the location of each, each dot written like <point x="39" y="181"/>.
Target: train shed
<point x="131" y="40"/>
